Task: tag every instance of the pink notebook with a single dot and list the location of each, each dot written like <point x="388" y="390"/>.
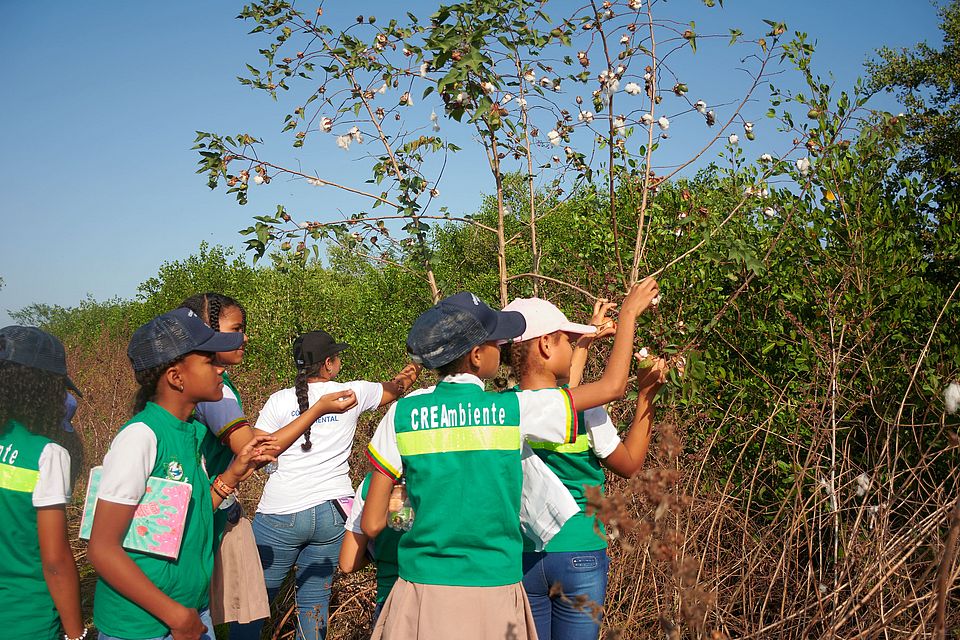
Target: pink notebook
<point x="158" y="522"/>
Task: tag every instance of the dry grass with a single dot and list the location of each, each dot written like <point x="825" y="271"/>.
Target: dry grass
<point x="697" y="555"/>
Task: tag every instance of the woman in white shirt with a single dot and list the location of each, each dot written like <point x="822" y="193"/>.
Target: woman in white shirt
<point x="297" y="523"/>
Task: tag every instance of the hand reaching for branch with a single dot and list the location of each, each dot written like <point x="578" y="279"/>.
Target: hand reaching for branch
<point x="652" y="373"/>
<point x="606" y="325"/>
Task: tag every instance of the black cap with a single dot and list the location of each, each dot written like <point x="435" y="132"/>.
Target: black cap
<point x="453" y="326"/>
<point x="174" y="334"/>
<point x="314" y="347"/>
<point x="33" y="347"/>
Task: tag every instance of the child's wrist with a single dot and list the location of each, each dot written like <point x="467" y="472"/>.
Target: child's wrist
<point x="225" y="484"/>
<point x="80" y="636"/>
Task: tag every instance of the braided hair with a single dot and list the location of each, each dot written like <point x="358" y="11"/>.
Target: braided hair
<point x="36" y="399"/>
<point x="209" y="305"/>
<point x="147" y="381"/>
<point x="303" y="399"/>
<point x="518" y="354"/>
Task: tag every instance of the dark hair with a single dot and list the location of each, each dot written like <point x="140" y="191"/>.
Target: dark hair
<point x="37" y="399"/>
<point x="209" y="305"/>
<point x="303" y="398"/>
<point x="457" y="366"/>
<point x="518" y="356"/>
<point x="148" y="379"/>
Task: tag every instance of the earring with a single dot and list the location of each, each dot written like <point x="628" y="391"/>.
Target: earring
<point x="181" y="387"/>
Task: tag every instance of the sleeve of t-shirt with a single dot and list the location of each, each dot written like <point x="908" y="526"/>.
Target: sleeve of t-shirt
<point x="369" y="394"/>
<point x="223" y="416"/>
<point x="53" y="483"/>
<point x="547" y="415"/>
<point x="353" y="521"/>
<point x="127" y="465"/>
<point x="382" y="451"/>
<point x="270" y="419"/>
<point x="601" y="432"/>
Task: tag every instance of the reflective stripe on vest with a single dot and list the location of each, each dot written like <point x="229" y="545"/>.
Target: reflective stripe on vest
<point x="581" y="445"/>
<point x="17" y="479"/>
<point x="413" y="443"/>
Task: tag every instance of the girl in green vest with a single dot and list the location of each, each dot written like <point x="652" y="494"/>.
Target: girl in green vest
<point x="141" y="596"/>
<point x="39" y="460"/>
<point x="232" y="598"/>
<point x="576" y="557"/>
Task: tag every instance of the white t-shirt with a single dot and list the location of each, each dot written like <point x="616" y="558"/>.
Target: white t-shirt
<point x="53" y="481"/>
<point x="304" y="479"/>
<point x="601" y="432"/>
<point x="127" y="465"/>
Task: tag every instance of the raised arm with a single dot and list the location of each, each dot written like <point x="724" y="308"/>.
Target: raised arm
<point x="605" y="325"/>
<point x="613" y="383"/>
<point x="629" y="455"/>
<point x="336" y="402"/>
<point x="400" y="384"/>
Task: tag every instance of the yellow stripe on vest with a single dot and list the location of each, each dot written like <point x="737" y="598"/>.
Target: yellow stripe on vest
<point x="414" y="443"/>
<point x="17" y="479"/>
<point x="581" y="445"/>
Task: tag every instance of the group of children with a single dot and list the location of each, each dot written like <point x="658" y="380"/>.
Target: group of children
<point x="499" y="543"/>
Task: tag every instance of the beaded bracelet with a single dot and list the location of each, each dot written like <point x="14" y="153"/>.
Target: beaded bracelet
<point x="222" y="488"/>
<point x="79" y="637"/>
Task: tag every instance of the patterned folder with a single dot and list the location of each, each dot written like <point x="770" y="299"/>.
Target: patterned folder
<point x="157" y="525"/>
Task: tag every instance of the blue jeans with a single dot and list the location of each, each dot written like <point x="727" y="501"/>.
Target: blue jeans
<point x="579" y="573"/>
<point x="308" y="541"/>
<point x="204" y="618"/>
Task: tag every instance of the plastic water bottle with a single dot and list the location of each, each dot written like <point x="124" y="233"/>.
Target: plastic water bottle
<point x="400" y="516"/>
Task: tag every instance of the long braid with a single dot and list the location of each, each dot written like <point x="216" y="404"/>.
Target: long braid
<point x="519" y="356"/>
<point x="304" y="401"/>
<point x="147" y="381"/>
<point x="213" y="312"/>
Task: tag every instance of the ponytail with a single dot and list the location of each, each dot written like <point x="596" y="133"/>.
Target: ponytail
<point x="304" y="401"/>
<point x="148" y="379"/>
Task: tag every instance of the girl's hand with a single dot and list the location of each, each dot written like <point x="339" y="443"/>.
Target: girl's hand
<point x="606" y="326"/>
<point x="639" y="298"/>
<point x="652" y="374"/>
<point x="338" y="401"/>
<point x="407" y="376"/>
<point x="187" y="625"/>
<point x="259" y="451"/>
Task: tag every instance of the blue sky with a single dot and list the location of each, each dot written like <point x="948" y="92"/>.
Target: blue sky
<point x="102" y="99"/>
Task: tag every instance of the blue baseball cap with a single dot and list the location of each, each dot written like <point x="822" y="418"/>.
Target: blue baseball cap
<point x="453" y="326"/>
<point x="33" y="347"/>
<point x="174" y="334"/>
<point x="70" y="408"/>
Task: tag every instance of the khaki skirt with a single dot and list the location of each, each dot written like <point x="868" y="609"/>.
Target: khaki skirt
<point x="438" y="612"/>
<point x="238" y="592"/>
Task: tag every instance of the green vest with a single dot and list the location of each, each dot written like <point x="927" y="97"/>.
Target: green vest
<point x="217" y="457"/>
<point x="460" y="448"/>
<point x="577" y="467"/>
<point x="187" y="579"/>
<point x="26" y="608"/>
<point x="384" y="551"/>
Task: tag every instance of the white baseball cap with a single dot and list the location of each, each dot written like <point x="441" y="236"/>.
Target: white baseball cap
<point x="544" y="318"/>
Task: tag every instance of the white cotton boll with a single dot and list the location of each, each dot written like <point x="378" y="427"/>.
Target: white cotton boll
<point x="636" y="5"/>
<point x="770" y="212"/>
<point x="951" y="397"/>
<point x="655" y="301"/>
<point x="766" y="158"/>
<point x="648" y="76"/>
<point x="633" y="88"/>
<point x="643" y="353"/>
<point x="585" y="116"/>
<point x="803" y="164"/>
<point x="344" y="141"/>
<point x="701" y="106"/>
<point x="747" y="127"/>
<point x="529" y="75"/>
<point x="620" y="70"/>
<point x="568" y="151"/>
<point x="522" y="102"/>
<point x="647" y="119"/>
<point x="487" y="87"/>
<point x="663" y="122"/>
<point x="507" y="97"/>
<point x="423" y="70"/>
<point x="554" y="137"/>
<point x="326" y="124"/>
<point x="863" y="483"/>
<point x="382" y="89"/>
<point x="258" y="179"/>
<point x="733" y="139"/>
<point x="619" y="125"/>
<point x="433" y="116"/>
<point x="624" y="39"/>
<point x="764" y="192"/>
<point x="356" y="135"/>
<point x="303" y="225"/>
